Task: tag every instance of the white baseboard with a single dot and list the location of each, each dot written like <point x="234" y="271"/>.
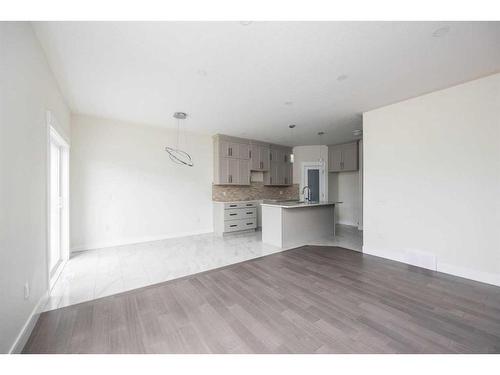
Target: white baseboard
<point x="346" y="223"/>
<point x="450" y="269"/>
<point x="25" y="332"/>
<point x="466" y="273"/>
<point x="135" y="240"/>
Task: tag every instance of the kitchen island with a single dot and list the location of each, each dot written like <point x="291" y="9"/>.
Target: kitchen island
<point x="287" y="224"/>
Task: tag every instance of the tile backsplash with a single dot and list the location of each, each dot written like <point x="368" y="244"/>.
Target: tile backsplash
<point x="255" y="191"/>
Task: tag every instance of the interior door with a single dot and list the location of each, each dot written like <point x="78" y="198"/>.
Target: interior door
<point x="55" y="257"/>
<point x="313" y="183"/>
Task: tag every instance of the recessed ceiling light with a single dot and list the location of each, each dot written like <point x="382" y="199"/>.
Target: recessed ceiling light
<point x="202" y="72"/>
<point x="442" y="31"/>
<point x="288" y="103"/>
<point x="246" y="23"/>
<point x="342" y="77"/>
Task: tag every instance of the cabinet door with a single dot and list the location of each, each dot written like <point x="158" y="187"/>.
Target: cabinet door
<point x="334" y="158"/>
<point x="229" y="149"/>
<point x="243" y="151"/>
<point x="276" y="155"/>
<point x="255" y="158"/>
<point x="264" y="158"/>
<point x="288" y="174"/>
<point x="350" y="157"/>
<point x="274" y="174"/>
<point x="243" y="172"/>
<point x="232" y="171"/>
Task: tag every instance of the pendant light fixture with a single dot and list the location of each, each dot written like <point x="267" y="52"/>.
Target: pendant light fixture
<point x="177" y="155"/>
<point x="320" y="134"/>
<point x="291" y="127"/>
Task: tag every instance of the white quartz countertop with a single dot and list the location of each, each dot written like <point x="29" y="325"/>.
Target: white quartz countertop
<point x="297" y="204"/>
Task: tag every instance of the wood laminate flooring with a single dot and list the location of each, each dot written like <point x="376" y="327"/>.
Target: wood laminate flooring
<point x="311" y="299"/>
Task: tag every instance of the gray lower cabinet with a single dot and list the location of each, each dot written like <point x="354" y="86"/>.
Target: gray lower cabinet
<point x="230" y="217"/>
<point x="343" y="157"/>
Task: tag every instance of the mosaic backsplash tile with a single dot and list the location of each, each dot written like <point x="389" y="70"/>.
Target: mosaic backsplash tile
<point x="255" y="191"/>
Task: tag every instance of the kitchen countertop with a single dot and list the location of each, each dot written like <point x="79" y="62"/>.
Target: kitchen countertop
<point x="297" y="204"/>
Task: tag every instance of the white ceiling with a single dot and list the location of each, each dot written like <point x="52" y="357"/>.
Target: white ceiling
<point x="235" y="79"/>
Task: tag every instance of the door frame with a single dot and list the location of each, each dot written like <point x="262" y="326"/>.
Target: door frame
<point x="305" y="166"/>
<point x="53" y="135"/>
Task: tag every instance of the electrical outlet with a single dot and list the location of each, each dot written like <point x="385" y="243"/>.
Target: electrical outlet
<point x="281" y="192"/>
<point x="224" y="193"/>
<point x="26" y="290"/>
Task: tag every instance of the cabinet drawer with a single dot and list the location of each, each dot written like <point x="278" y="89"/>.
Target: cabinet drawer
<point x="240" y="213"/>
<point x="228" y="206"/>
<point x="236" y="225"/>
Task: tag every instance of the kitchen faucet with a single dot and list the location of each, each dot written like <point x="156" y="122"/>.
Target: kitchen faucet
<point x="308" y="196"/>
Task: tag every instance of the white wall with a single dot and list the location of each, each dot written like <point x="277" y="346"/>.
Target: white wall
<point x="432" y="180"/>
<point x="344" y="187"/>
<point x="125" y="189"/>
<point x="347" y="187"/>
<point x="27" y="90"/>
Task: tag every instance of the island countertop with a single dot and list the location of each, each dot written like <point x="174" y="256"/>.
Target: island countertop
<point x="297" y="204"/>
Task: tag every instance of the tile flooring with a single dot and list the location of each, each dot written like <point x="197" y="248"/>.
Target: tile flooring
<point x="98" y="273"/>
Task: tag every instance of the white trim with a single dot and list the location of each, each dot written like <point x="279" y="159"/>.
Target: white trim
<point x="467" y="273"/>
<point x="350" y="223"/>
<point x="136" y="240"/>
<point x="24" y="334"/>
<point x="450" y="269"/>
<point x="53" y="135"/>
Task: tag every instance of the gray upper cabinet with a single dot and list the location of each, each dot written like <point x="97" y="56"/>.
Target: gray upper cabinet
<point x="234" y="158"/>
<point x="231" y="161"/>
<point x="343" y="158"/>
<point x="259" y="157"/>
<point x="244" y="151"/>
<point x="280" y="172"/>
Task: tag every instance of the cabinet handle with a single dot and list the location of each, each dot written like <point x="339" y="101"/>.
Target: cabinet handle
<point x="233" y="214"/>
<point x="230" y="178"/>
<point x="249" y="223"/>
<point x="249" y="213"/>
<point x="233" y="225"/>
<point x="230" y="151"/>
<point x="249" y="204"/>
<point x="233" y="205"/>
<point x="250" y="154"/>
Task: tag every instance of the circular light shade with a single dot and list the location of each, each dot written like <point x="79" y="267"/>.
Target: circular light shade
<point x="179" y="156"/>
<point x="180" y="115"/>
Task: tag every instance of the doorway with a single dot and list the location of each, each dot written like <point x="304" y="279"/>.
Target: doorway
<point x="58" y="207"/>
<point x="313" y="176"/>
